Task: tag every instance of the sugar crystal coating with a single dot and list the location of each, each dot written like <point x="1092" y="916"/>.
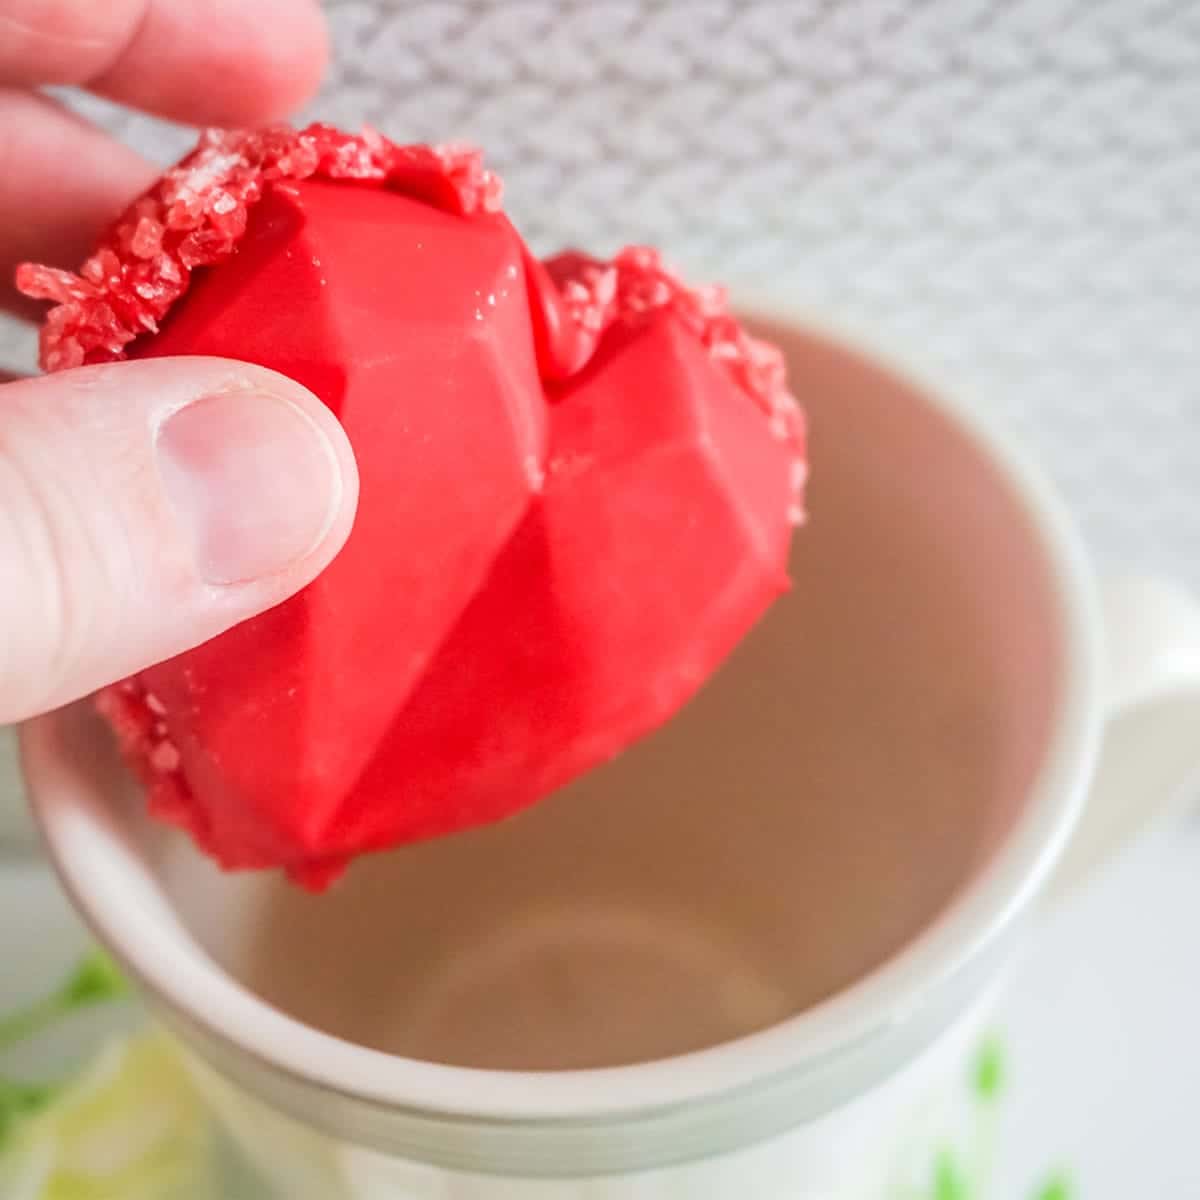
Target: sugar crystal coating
<point x="136" y="718"/>
<point x="577" y="299"/>
<point x="196" y="213"/>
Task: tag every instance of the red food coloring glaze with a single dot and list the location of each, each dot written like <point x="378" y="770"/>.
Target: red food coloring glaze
<point x="503" y="617"/>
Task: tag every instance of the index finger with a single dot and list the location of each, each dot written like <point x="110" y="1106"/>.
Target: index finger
<point x="219" y="62"/>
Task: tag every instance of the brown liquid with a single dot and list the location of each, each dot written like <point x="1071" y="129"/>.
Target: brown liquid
<point x="824" y="798"/>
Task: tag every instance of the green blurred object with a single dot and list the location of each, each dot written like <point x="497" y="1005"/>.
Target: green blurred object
<point x="989" y="1070"/>
<point x="1058" y="1188"/>
<point x="949" y="1179"/>
<point x="95" y="980"/>
<point x="129" y="1127"/>
<point x="19" y="1101"/>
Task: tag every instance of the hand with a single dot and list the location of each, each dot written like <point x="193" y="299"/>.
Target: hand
<point x="145" y="506"/>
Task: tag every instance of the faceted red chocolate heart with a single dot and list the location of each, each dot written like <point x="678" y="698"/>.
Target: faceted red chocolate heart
<point x="411" y="320"/>
<point x="661" y="536"/>
<point x="444" y="671"/>
<point x="276" y="720"/>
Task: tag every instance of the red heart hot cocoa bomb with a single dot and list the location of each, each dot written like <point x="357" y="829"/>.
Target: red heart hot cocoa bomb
<point x="476" y="644"/>
<point x="386" y="280"/>
<point x="674" y="479"/>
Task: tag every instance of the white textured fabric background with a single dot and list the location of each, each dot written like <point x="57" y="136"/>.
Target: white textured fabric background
<point x="1011" y="185"/>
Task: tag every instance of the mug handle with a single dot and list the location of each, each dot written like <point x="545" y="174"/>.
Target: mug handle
<point x="1151" y="742"/>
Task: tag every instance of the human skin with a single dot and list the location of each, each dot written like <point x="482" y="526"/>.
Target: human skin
<point x="145" y="506"/>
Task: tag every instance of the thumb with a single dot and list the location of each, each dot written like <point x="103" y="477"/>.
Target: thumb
<point x="146" y="507"/>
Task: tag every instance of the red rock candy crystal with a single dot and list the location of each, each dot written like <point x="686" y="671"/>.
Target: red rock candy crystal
<point x="196" y="213"/>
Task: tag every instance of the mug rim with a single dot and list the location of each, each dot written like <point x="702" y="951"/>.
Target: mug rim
<point x="183" y="978"/>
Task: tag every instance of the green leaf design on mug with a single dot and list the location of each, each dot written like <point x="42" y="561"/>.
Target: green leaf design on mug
<point x="1058" y="1187"/>
<point x="950" y="1181"/>
<point x="988" y="1075"/>
<point x="964" y="1171"/>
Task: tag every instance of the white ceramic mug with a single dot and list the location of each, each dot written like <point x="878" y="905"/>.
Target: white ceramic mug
<point x="783" y="917"/>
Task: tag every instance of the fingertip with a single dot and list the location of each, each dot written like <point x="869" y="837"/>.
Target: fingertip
<point x="278" y="481"/>
<point x="285" y="69"/>
<point x="307" y="61"/>
<point x="221" y="64"/>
